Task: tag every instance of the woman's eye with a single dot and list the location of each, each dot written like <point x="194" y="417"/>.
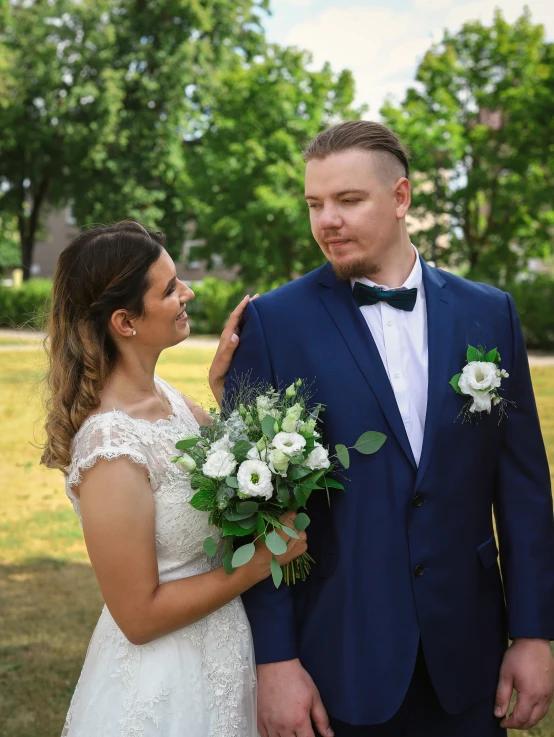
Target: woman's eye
<point x="171" y="289"/>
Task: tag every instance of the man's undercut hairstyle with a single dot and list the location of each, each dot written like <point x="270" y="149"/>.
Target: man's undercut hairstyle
<point x="364" y="135"/>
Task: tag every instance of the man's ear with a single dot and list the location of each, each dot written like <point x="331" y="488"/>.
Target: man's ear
<point x="403" y="197"/>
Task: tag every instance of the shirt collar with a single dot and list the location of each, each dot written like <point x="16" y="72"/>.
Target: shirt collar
<point x="414" y="279"/>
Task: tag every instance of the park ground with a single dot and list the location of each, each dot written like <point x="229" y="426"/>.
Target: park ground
<point x="50" y="599"/>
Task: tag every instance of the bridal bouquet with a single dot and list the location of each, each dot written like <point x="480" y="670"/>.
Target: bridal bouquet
<point x="260" y="461"/>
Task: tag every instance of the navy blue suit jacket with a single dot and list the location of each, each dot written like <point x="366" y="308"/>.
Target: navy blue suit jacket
<point x="356" y="622"/>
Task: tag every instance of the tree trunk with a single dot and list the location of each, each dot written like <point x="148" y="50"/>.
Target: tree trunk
<point x="28" y="227"/>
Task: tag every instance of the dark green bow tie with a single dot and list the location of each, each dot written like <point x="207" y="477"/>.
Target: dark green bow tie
<point x="402" y="299"/>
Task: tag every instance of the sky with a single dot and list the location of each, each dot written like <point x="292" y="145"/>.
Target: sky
<point x="382" y="41"/>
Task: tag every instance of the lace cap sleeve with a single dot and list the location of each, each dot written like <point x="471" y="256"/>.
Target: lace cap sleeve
<point x="104" y="436"/>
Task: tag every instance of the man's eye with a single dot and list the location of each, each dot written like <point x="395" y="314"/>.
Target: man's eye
<point x="351" y="201"/>
<point x="312" y="205"/>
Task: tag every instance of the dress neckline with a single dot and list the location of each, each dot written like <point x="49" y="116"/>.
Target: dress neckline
<point x="155" y="423"/>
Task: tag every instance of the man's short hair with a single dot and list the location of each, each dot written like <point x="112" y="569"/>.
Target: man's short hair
<point x="364" y="135"/>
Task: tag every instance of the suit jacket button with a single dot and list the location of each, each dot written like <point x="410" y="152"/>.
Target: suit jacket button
<point x="418" y="570"/>
<point x="418" y="500"/>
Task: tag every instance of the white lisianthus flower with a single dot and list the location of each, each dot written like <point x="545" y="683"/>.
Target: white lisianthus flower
<point x="253" y="454"/>
<point x="223" y="443"/>
<point x="288" y="442"/>
<point x="219" y="465"/>
<point x="254" y="479"/>
<point x="278" y="462"/>
<point x="480" y="380"/>
<point x="318" y="458"/>
<point x="265" y="407"/>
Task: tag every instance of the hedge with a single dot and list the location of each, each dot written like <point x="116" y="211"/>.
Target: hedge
<point x="24" y="307"/>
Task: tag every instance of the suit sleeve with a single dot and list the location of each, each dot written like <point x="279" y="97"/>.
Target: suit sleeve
<point x="523" y="506"/>
<point x="269" y="610"/>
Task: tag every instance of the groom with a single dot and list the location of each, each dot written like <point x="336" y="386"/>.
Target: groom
<point x="401" y="629"/>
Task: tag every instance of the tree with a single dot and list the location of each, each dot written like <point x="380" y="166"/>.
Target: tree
<point x="479" y="125"/>
<point x="247" y="170"/>
<point x="96" y="104"/>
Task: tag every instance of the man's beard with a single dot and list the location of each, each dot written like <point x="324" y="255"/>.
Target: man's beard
<point x="362" y="267"/>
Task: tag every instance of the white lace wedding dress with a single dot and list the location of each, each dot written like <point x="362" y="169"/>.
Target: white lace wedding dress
<point x="198" y="681"/>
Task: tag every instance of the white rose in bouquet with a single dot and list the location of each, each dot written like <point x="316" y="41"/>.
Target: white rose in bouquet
<point x="278" y="462"/>
<point x="318" y="458"/>
<point x="254" y="479"/>
<point x="219" y="465"/>
<point x="288" y="442"/>
<point x="479" y="380"/>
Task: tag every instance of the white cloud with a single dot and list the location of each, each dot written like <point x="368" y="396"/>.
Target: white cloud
<point x="383" y="46"/>
<point x="300" y="3"/>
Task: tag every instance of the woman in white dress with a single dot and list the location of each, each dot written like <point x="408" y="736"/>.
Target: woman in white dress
<point x="172" y="654"/>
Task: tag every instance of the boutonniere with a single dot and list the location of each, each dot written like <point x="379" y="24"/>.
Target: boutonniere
<point x="480" y="381"/>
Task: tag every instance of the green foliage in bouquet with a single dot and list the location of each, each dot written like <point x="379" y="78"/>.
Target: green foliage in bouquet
<point x="260" y="460"/>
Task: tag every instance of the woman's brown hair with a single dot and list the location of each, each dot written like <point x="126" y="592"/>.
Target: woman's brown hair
<point x="103" y="269"/>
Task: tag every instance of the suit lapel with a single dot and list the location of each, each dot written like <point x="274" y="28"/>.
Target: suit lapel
<point x="337" y="299"/>
<point x="440" y="336"/>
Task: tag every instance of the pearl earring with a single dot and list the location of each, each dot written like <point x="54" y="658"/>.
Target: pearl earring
<point x="134" y="332"/>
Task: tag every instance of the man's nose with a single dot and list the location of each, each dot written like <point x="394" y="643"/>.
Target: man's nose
<point x="330" y="218"/>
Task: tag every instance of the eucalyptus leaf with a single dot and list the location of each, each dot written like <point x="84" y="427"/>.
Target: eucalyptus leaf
<point x="233" y="528"/>
<point x="247" y="507"/>
<point x="369" y="442"/>
<point x="260" y="525"/>
<point x="275" y="543"/>
<point x="234" y="516"/>
<point x="243" y="555"/>
<point x="232" y="481"/>
<point x="343" y="455"/>
<point x="290" y="532"/>
<point x="301" y="521"/>
<point x="268" y="427"/>
<point x="276" y="572"/>
<point x="210" y="547"/>
<point x="248" y="523"/>
<point x="187" y="443"/>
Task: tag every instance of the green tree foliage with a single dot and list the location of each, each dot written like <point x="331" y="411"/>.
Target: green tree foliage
<point x="480" y="124"/>
<point x="96" y="104"/>
<point x="248" y="171"/>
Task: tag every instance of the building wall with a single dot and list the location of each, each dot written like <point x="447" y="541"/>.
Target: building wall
<point x="60" y="228"/>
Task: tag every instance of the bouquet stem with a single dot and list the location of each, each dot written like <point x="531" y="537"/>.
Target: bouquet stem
<point x="298" y="569"/>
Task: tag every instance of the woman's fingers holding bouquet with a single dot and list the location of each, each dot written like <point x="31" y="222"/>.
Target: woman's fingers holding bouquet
<point x="296" y="546"/>
<point x="227" y="346"/>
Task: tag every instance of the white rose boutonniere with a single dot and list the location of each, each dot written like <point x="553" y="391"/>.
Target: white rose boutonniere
<point x="480" y="380"/>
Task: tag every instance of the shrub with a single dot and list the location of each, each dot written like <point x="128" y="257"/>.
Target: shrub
<point x="215" y="299"/>
<point x="534" y="300"/>
<point x="26" y="306"/>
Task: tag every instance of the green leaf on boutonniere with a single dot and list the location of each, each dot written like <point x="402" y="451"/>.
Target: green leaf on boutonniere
<point x="474" y="354"/>
<point x="454" y="383"/>
<point x="493" y="356"/>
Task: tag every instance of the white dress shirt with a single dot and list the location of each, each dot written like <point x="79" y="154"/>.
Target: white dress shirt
<point x="401" y="339"/>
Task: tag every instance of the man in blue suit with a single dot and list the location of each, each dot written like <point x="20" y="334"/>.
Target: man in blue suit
<point x="401" y="629"/>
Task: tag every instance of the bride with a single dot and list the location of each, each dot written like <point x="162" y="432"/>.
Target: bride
<point x="172" y="654"/>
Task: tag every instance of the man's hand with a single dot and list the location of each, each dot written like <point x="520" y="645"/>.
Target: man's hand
<point x="528" y="667"/>
<point x="288" y="701"/>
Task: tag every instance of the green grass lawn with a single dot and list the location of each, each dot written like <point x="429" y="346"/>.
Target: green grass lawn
<point x="49" y="598"/>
